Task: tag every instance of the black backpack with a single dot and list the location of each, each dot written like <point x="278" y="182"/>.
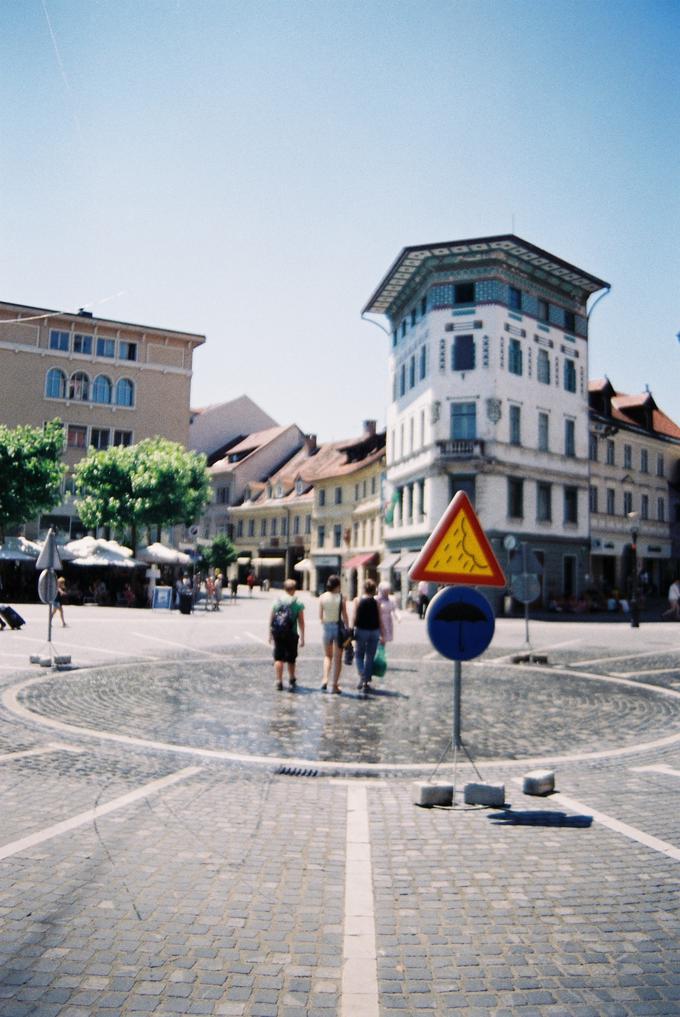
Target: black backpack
<point x="282" y="621"/>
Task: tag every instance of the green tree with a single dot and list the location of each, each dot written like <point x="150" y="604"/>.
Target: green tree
<point x="220" y="554"/>
<point x="154" y="483"/>
<point x="31" y="471"/>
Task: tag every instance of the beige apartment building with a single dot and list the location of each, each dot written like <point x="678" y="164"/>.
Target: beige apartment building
<point x="109" y="382"/>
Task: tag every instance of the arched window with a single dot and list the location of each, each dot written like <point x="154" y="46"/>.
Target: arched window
<point x="79" y="387"/>
<point x="101" y="389"/>
<point x="55" y="387"/>
<point x="125" y="392"/>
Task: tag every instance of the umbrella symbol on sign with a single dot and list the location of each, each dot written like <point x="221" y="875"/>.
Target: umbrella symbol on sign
<point x="461" y="614"/>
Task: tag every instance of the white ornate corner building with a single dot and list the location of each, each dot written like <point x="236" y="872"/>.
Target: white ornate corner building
<point x="489" y="374"/>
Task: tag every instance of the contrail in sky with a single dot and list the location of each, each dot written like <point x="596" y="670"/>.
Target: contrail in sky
<point x="62" y="71"/>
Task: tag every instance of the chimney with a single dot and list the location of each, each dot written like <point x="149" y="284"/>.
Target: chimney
<point x="84" y="314"/>
<point x="369" y="428"/>
<point x="310" y="444"/>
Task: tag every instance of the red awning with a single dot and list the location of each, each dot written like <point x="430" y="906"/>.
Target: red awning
<point x="360" y="559"/>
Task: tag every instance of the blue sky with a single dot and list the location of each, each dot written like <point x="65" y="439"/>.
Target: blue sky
<point x="251" y="170"/>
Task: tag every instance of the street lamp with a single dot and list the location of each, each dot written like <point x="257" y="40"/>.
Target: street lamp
<point x="634" y="604"/>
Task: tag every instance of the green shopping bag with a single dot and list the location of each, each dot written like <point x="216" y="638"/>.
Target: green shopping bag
<point x="379" y="661"/>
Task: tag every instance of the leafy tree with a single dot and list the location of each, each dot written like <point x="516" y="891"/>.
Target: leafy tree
<point x="31" y="471"/>
<point x="220" y="554"/>
<point x="154" y="483"/>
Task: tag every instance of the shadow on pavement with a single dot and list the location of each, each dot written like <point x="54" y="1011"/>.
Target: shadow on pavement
<point x="541" y="817"/>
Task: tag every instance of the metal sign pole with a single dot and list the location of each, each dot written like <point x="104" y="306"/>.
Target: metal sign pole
<point x="457" y="669"/>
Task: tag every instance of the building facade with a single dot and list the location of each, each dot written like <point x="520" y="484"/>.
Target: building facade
<point x="635" y="468"/>
<point x="489" y="376"/>
<point x="109" y="382"/>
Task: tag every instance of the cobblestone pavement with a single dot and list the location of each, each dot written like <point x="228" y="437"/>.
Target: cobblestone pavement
<point x="158" y="858"/>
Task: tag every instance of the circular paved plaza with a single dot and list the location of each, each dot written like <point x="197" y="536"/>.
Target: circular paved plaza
<point x="228" y="704"/>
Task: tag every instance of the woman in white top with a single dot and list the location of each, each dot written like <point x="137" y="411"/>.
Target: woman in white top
<point x="331" y="608"/>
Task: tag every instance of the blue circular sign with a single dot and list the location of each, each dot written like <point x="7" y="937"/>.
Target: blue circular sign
<point x="460" y="623"/>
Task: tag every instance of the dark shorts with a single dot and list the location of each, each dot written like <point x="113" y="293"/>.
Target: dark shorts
<point x="286" y="649"/>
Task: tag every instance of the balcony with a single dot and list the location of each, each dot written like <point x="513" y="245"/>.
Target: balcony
<point x="461" y="448"/>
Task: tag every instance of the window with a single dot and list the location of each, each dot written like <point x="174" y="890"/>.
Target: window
<point x="412" y="372"/>
<point x="275" y="527"/>
<point x="296" y="526"/>
<point x="322" y="497"/>
<point x="515" y="498"/>
<point x="99" y="437"/>
<point x="308" y="525"/>
<point x="251" y="527"/>
<point x="543" y="310"/>
<point x="627" y="457"/>
<point x="569" y="437"/>
<point x="413" y="316"/>
<point x="76" y="436"/>
<point x="298" y="486"/>
<point x="338" y="496"/>
<point x="570" y="321"/>
<point x="592" y="499"/>
<point x="106" y="347"/>
<point x="337" y="536"/>
<point x="514" y="298"/>
<point x="544" y="502"/>
<point x="82" y="343"/>
<point x="569" y="376"/>
<point x="423" y="306"/>
<point x="222" y="496"/>
<point x="263" y="527"/>
<point x="55" y="386"/>
<point x="543" y="432"/>
<point x="402" y="380"/>
<point x="611" y="454"/>
<point x="395" y="338"/>
<point x="463" y="353"/>
<point x="515" y="356"/>
<point x="571" y="505"/>
<point x="122" y="438"/>
<point x="101" y="389"/>
<point x="644" y="506"/>
<point x="611" y="501"/>
<point x="423" y="362"/>
<point x="374" y="485"/>
<point x="403" y="328"/>
<point x="79" y="387"/>
<point x="59" y="340"/>
<point x="543" y="367"/>
<point x="661" y="510"/>
<point x="644" y="460"/>
<point x="463" y="421"/>
<point x="239" y="528"/>
<point x="125" y="392"/>
<point x="320" y="535"/>
<point x="515" y="425"/>
<point x="592" y="448"/>
<point x="660" y="471"/>
<point x="627" y="502"/>
<point x="284" y="526"/>
<point x="127" y="351"/>
<point x="464" y="293"/>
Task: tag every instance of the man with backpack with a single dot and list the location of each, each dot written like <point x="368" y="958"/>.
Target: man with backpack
<point x="286" y="632"/>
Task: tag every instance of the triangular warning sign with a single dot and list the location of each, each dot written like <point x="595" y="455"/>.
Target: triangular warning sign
<point x="458" y="552"/>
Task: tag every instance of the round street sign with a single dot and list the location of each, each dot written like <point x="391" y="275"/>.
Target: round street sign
<point x="47" y="586"/>
<point x="525" y="587"/>
<point x="460" y="623"/>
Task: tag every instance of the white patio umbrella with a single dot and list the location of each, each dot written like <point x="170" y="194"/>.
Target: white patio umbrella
<point x="159" y="554"/>
<point x="97" y="551"/>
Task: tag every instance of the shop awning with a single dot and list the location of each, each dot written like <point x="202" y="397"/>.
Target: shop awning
<point x="389" y="561"/>
<point x="359" y="560"/>
<point x="243" y="561"/>
<point x="304" y="565"/>
<point x="407" y="559"/>
<point x="267" y="563"/>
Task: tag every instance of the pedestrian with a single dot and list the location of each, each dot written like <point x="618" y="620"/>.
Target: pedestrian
<point x="368" y="633"/>
<point x="218" y="589"/>
<point x="287" y="633"/>
<point x="250" y="581"/>
<point x="58" y="603"/>
<point x="388" y="610"/>
<point x="673" y="601"/>
<point x="233" y="586"/>
<point x="423" y="598"/>
<point x="332" y="608"/>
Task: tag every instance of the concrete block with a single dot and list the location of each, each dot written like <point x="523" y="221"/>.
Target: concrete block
<point x="539" y="782"/>
<point x="428" y="795"/>
<point x="485" y="794"/>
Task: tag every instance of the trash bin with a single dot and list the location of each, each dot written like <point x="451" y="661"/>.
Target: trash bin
<point x="185" y="602"/>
